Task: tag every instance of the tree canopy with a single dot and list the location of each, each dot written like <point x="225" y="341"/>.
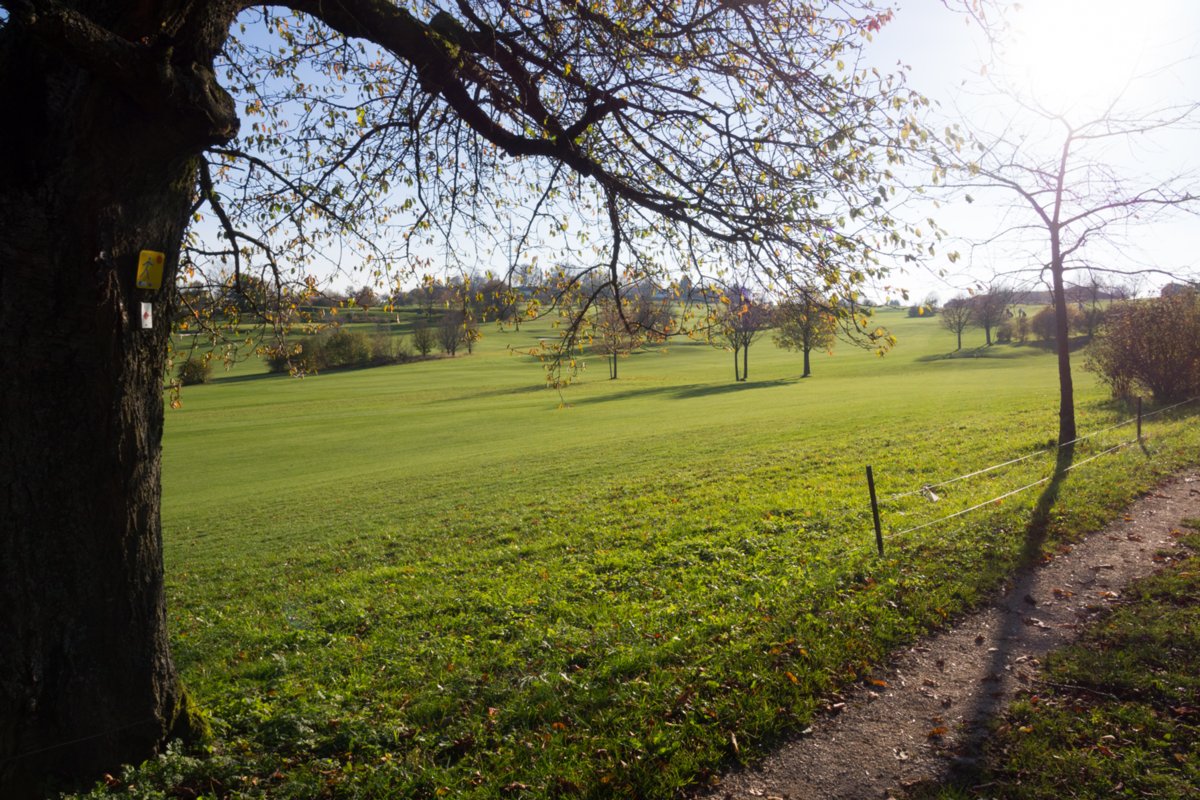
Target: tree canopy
<point x="649" y="138"/>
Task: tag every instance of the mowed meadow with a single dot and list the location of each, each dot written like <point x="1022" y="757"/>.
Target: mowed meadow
<point x="444" y="579"/>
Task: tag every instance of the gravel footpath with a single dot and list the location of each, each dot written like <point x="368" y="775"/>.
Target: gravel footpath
<point x="940" y="695"/>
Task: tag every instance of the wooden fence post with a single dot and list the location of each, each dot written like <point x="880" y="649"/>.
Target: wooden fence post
<point x="875" y="510"/>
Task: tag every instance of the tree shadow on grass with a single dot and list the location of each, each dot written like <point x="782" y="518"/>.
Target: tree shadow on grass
<point x="504" y="391"/>
<point x="995" y="352"/>
<point x="258" y="376"/>
<point x="988" y="705"/>
<point x="706" y="390"/>
<point x="1006" y="350"/>
<point x="684" y="392"/>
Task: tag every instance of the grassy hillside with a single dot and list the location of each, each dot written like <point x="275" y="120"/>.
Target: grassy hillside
<point x="442" y="579"/>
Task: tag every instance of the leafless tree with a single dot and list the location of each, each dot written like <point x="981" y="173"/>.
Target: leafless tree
<point x="1068" y="194"/>
<point x="990" y="309"/>
<point x="956" y="317"/>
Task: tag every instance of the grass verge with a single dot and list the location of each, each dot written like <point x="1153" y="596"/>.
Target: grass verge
<point x="1118" y="713"/>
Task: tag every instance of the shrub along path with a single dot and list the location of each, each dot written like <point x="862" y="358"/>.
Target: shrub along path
<point x="925" y="715"/>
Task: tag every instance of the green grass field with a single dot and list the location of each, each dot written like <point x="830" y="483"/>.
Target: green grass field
<point x="443" y="579"/>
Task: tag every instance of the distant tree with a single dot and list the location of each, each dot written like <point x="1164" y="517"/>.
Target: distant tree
<point x="617" y="335"/>
<point x="450" y="332"/>
<point x="342" y="347"/>
<point x="364" y="297"/>
<point x="652" y="313"/>
<point x="805" y="324"/>
<point x="427" y="296"/>
<point x="621" y="328"/>
<point x="1092" y="304"/>
<point x="1175" y="288"/>
<point x="740" y="320"/>
<point x="497" y="301"/>
<point x="194" y="370"/>
<point x="465" y="301"/>
<point x="246" y="295"/>
<point x="1021" y="326"/>
<point x="470" y="334"/>
<point x="196" y="303"/>
<point x="990" y="309"/>
<point x="1045" y="323"/>
<point x="328" y="299"/>
<point x="422" y="338"/>
<point x="956" y="317"/>
<point x="1151" y="345"/>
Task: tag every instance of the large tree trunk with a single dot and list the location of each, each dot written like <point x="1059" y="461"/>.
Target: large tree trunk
<point x="89" y="179"/>
<point x="807" y="370"/>
<point x="1066" y="387"/>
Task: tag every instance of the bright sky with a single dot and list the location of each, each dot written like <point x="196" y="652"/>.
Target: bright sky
<point x="1075" y="56"/>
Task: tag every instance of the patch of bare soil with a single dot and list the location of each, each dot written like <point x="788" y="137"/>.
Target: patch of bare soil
<point x="940" y="695"/>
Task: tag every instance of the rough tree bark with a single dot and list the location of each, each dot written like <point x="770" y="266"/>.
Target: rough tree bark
<point x="92" y="177"/>
<point x="1066" y="385"/>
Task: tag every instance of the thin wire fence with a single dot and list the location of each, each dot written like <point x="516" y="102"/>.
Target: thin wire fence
<point x="1040" y="451"/>
<point x="926" y="489"/>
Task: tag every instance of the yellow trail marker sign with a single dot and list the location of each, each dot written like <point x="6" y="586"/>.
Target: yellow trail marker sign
<point x="150" y="269"/>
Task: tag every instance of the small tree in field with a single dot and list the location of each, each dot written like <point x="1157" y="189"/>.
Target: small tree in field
<point x="739" y="322"/>
<point x="990" y="309"/>
<point x="450" y="332"/>
<point x="422" y="338"/>
<point x="1021" y="326"/>
<point x="805" y="325"/>
<point x="956" y="316"/>
<point x="1151" y="345"/>
<point x="616" y="334"/>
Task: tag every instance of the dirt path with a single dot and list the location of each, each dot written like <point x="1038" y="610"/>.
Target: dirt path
<point x="940" y="694"/>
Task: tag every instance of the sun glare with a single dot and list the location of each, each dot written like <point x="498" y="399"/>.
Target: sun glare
<point x="1081" y="54"/>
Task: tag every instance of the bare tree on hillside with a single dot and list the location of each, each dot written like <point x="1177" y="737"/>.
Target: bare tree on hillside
<point x="1058" y="171"/>
<point x="422" y="338"/>
<point x="956" y="317"/>
<point x="991" y="308"/>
